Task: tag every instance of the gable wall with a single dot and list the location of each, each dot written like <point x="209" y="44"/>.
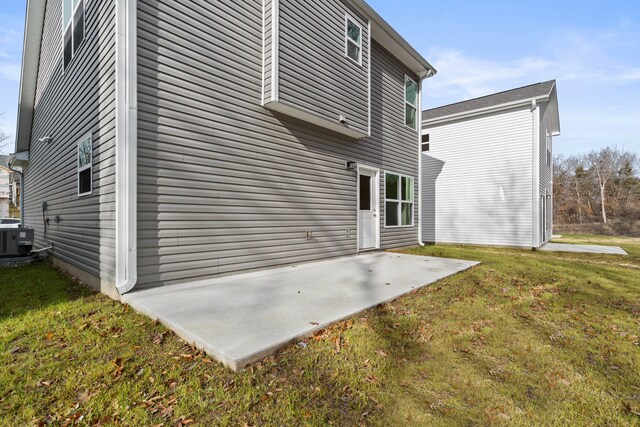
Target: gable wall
<point x="477" y="181"/>
<point x="68" y="105"/>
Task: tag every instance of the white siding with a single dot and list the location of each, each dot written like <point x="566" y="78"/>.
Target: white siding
<point x="546" y="171"/>
<point x="477" y="181"/>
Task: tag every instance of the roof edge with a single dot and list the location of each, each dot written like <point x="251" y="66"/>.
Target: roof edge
<point x="34" y="22"/>
<point x="386" y="35"/>
<point x="497" y="107"/>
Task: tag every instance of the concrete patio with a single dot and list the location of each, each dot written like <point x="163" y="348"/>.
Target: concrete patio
<point x="244" y="318"/>
<point x="588" y="249"/>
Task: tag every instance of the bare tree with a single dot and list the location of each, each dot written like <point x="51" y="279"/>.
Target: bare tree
<point x="605" y="165"/>
<point x="4" y="138"/>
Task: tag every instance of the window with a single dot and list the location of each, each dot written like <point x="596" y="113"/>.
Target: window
<point x="410" y="102"/>
<point x="73" y="28"/>
<point x="425" y="143"/>
<point x="548" y="146"/>
<point x="85" y="166"/>
<point x="353" y="40"/>
<point x="398" y="203"/>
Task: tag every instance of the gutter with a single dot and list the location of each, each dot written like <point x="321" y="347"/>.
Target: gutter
<point x="479" y="111"/>
<point x="126" y="146"/>
<point x="431" y="73"/>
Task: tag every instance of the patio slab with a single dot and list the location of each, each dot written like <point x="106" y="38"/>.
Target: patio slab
<point x="244" y="318"/>
<point x="589" y="249"/>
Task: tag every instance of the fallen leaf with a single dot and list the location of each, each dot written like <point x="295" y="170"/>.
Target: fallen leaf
<point x="49" y="336"/>
<point x="337" y="344"/>
<point x="43" y="383"/>
<point x="167" y="412"/>
<point x="381" y="353"/>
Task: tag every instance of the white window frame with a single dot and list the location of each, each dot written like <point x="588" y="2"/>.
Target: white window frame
<point x="348" y="39"/>
<point x="404" y="94"/>
<point x="400" y="201"/>
<point x="422" y="143"/>
<point x="89" y="165"/>
<point x="74" y="9"/>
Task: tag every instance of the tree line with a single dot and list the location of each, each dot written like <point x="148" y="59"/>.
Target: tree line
<point x="599" y="186"/>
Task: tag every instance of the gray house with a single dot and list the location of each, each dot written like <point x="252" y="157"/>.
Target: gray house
<point x="169" y="141"/>
<point x="488" y="169"/>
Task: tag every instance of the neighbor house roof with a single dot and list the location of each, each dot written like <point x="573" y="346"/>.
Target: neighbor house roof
<point x="539" y="92"/>
<point x="381" y="31"/>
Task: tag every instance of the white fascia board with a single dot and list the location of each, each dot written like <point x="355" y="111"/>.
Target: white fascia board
<point x="391" y="40"/>
<point x="480" y="111"/>
<point x="126" y="145"/>
<point x="34" y="23"/>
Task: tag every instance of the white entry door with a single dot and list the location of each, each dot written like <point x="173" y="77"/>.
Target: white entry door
<point x="368" y="220"/>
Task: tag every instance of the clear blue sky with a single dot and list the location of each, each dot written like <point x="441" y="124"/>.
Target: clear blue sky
<point x="479" y="47"/>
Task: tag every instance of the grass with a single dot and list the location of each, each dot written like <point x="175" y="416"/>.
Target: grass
<point x="526" y="338"/>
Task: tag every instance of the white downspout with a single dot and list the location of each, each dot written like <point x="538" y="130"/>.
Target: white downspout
<point x="535" y="114"/>
<point x="126" y="145"/>
<point x="419" y="180"/>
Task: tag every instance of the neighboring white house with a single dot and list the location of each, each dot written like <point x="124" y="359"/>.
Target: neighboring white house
<point x="5" y="194"/>
<point x="487" y="168"/>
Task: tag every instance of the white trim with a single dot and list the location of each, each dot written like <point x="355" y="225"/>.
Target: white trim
<point x="420" y="84"/>
<point x="89" y="165"/>
<point x="479" y="111"/>
<point x="375" y="202"/>
<point x="404" y="105"/>
<point x="126" y="145"/>
<point x="315" y="118"/>
<point x="347" y="39"/>
<point x="370" y="50"/>
<point x="264" y="48"/>
<point x="275" y="51"/>
<point x="399" y="200"/>
<point x="535" y="117"/>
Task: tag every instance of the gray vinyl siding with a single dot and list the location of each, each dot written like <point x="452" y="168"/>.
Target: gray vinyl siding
<point x="315" y="75"/>
<point x="477" y="180"/>
<point x="546" y="171"/>
<point x="68" y="105"/>
<point x="224" y="184"/>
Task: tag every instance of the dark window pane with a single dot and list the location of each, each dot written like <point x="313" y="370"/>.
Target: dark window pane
<point x="425" y="138"/>
<point x="425" y="147"/>
<point x="353" y="31"/>
<point x="365" y="193"/>
<point x="410" y="118"/>
<point x="84" y="181"/>
<point x="353" y="51"/>
<point x="391" y="214"/>
<point x="407" y="213"/>
<point x="68" y="50"/>
<point x="411" y="92"/>
<point x="391" y="186"/>
<point x="78" y="27"/>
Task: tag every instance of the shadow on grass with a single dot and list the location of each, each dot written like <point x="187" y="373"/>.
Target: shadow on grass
<point x="35" y="286"/>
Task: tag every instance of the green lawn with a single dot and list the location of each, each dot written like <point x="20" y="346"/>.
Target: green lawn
<point x="525" y="338"/>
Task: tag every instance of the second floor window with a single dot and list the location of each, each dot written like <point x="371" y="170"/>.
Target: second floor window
<point x="410" y="103"/>
<point x="73" y="28"/>
<point x="354" y="40"/>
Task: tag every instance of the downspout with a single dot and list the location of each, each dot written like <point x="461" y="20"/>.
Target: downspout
<point x="430" y="73"/>
<point x="536" y="175"/>
<point x="19" y="172"/>
<point x="126" y="146"/>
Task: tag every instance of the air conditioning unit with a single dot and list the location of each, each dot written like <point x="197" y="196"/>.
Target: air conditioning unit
<point x="15" y="241"/>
